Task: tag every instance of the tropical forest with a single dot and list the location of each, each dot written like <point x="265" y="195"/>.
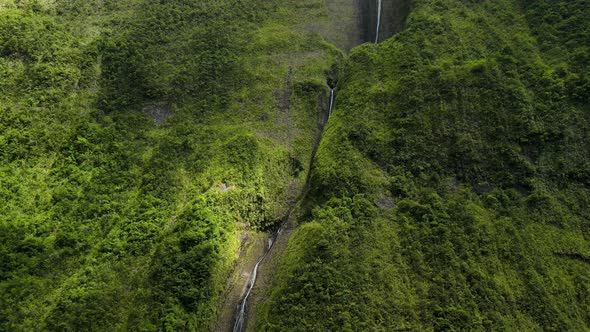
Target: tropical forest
<point x="294" y="165"/>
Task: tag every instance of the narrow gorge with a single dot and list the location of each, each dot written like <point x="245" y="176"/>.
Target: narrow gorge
<point x="294" y="165"/>
<point x="364" y="17"/>
<point x="240" y="320"/>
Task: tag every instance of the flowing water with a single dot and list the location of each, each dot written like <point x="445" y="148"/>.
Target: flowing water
<point x="239" y="325"/>
<point x="379" y="5"/>
<point x="331" y="102"/>
<point x="240" y="322"/>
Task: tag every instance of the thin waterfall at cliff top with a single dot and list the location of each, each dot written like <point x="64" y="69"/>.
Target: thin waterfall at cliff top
<point x="379" y="5"/>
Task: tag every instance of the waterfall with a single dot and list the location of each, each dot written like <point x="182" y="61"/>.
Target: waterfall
<point x="240" y="320"/>
<point x="379" y="5"/>
<point x="241" y="313"/>
<point x="239" y="325"/>
<point x="331" y="103"/>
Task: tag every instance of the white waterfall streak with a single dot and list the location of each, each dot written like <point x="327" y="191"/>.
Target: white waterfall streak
<point x="331" y="103"/>
<point x="379" y="5"/>
<point x="240" y="320"/>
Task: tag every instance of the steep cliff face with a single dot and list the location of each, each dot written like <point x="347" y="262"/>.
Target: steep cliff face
<point x="451" y="188"/>
<point x="342" y="23"/>
<point x="141" y="143"/>
<point x="349" y="23"/>
<point x="148" y="146"/>
<point x="393" y="17"/>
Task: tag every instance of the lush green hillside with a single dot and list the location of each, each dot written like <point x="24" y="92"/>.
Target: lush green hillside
<point x="451" y="190"/>
<point x="138" y="139"/>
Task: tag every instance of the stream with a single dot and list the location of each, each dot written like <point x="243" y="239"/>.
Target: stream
<point x="241" y="314"/>
<point x="240" y="318"/>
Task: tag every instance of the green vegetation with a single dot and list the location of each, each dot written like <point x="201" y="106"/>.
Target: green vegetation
<point x="451" y="189"/>
<point x="138" y="138"/>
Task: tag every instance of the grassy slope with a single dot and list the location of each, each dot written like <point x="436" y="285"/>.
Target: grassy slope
<point x="111" y="222"/>
<point x="450" y="191"/>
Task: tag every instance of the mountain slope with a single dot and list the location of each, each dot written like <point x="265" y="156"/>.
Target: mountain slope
<point x="451" y="188"/>
<point x="146" y="146"/>
<point x="140" y="141"/>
